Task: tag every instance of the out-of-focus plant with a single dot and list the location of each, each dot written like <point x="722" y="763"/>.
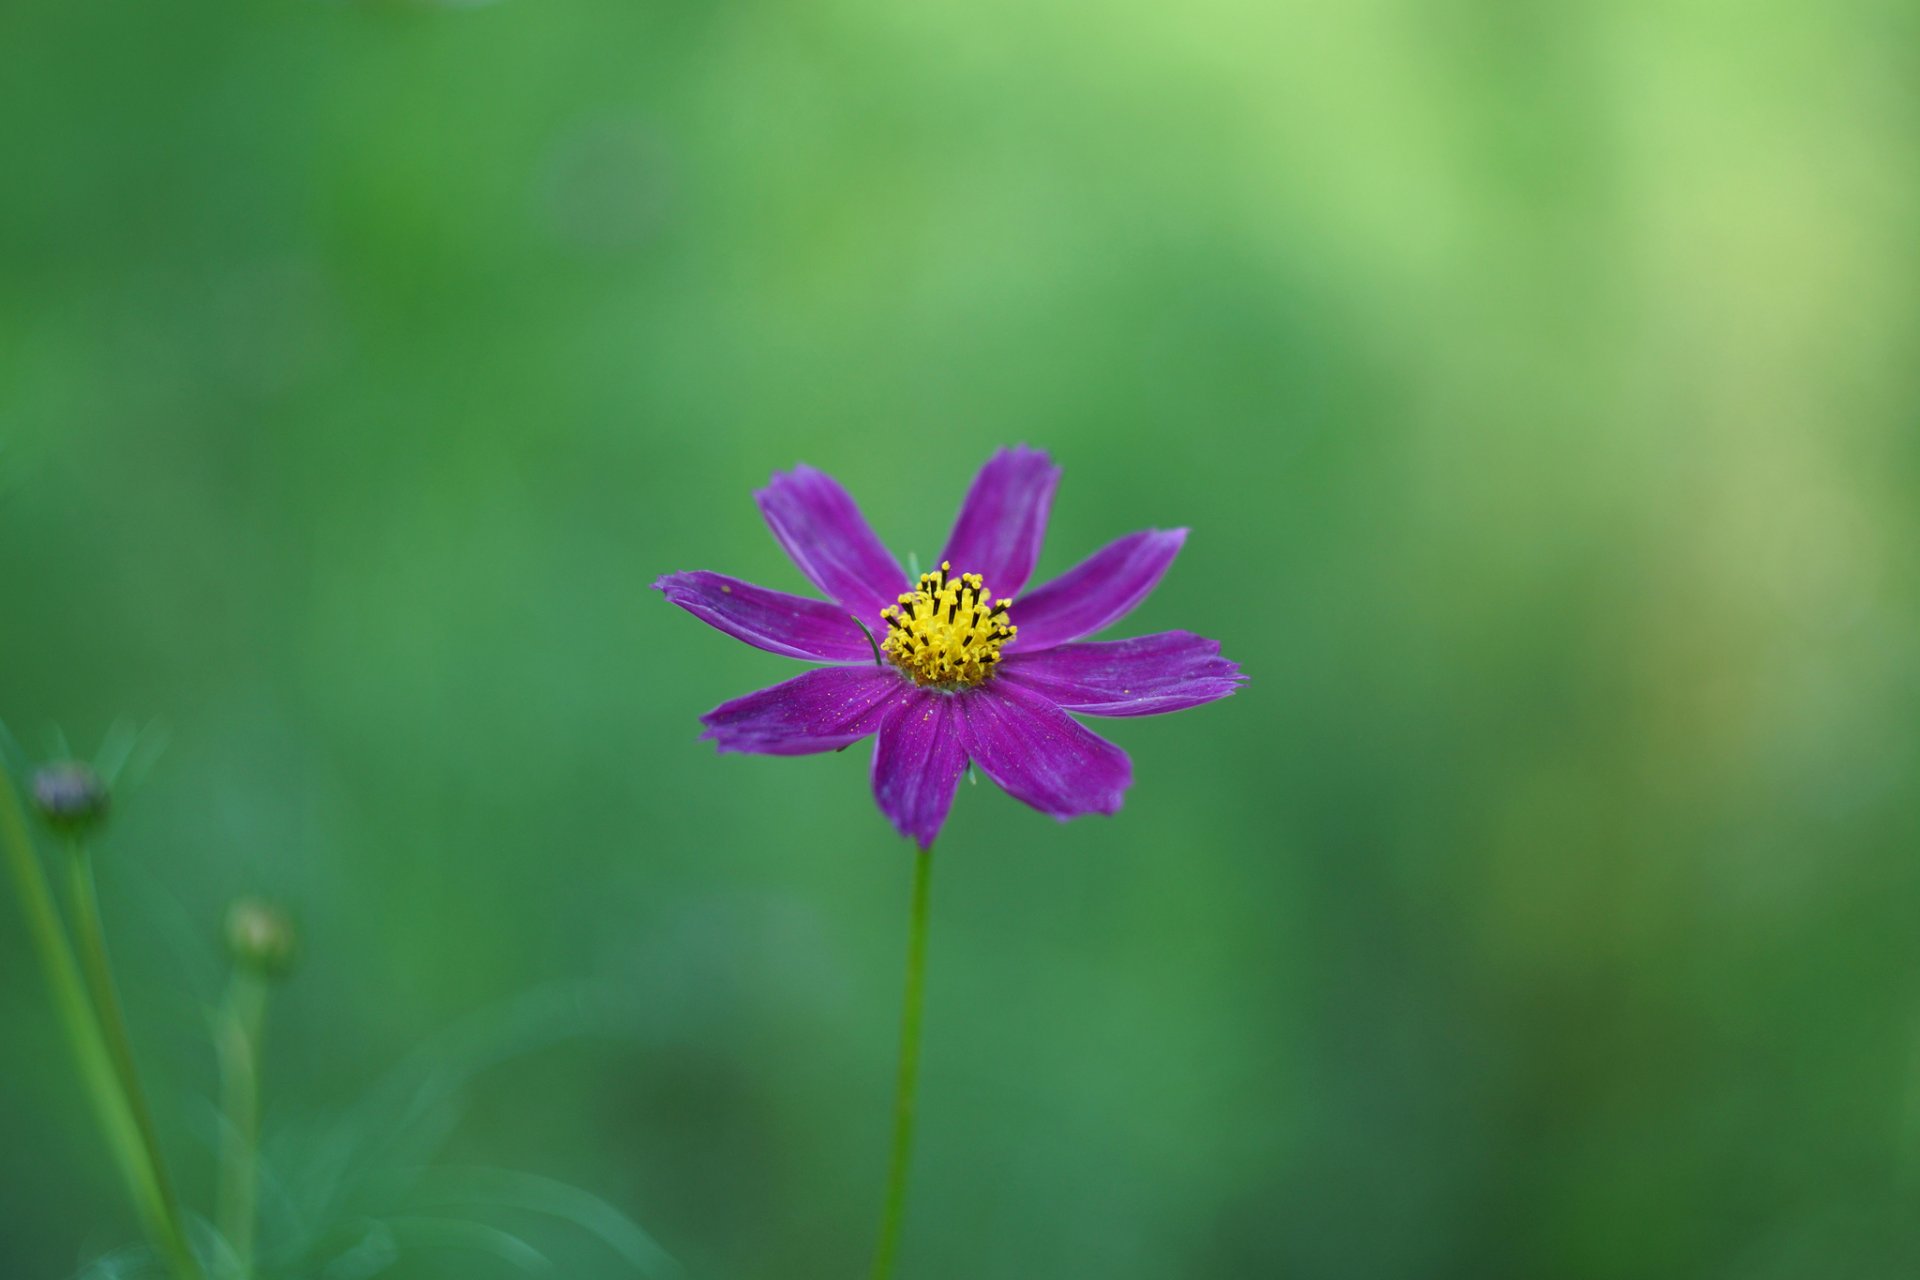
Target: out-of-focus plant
<point x="73" y="798"/>
<point x="261" y="941"/>
<point x="361" y="1192"/>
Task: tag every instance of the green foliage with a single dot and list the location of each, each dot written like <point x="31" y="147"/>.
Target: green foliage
<point x="1537" y="381"/>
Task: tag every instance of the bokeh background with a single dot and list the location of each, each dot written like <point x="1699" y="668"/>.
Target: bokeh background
<point x="1538" y="380"/>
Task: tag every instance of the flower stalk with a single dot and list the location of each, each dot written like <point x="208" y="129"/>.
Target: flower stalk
<point x="237" y="1034"/>
<point x="127" y="1139"/>
<point x="91" y="942"/>
<point x="909" y="1078"/>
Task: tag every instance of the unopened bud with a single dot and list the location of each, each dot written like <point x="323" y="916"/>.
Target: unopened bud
<point x="70" y="796"/>
<point x="261" y="937"/>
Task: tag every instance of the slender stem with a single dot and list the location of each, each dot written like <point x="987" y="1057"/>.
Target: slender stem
<point x="90" y="937"/>
<point x="237" y="1038"/>
<point x="909" y="1078"/>
<point x="95" y="1060"/>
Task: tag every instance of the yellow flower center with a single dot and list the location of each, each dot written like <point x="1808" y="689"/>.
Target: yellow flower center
<point x="948" y="633"/>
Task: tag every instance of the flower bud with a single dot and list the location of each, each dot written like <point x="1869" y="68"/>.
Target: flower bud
<point x="70" y="796"/>
<point x="261" y="937"/>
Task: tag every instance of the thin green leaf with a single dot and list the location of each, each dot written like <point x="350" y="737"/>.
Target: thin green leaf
<point x="403" y="1121"/>
<point x="476" y="1237"/>
<point x="148" y="746"/>
<point x="488" y="1188"/>
<point x="111" y="758"/>
<point x="132" y="1263"/>
<point x="373" y="1253"/>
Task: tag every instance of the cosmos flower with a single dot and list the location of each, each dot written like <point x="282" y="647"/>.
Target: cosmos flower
<point x="969" y="668"/>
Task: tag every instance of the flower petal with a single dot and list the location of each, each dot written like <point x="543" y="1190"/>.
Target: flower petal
<point x="828" y="538"/>
<point x="1143" y="676"/>
<point x="917" y="761"/>
<point x="824" y="710"/>
<point x="770" y="620"/>
<point x="1004" y="518"/>
<point x="1039" y="753"/>
<point x="1095" y="593"/>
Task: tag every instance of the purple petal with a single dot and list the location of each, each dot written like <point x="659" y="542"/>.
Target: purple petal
<point x="1039" y="753"/>
<point x="917" y="761"/>
<point x="1003" y="519"/>
<point x="770" y="620"/>
<point x="830" y="541"/>
<point x="823" y="710"/>
<point x="1144" y="676"/>
<point x="1095" y="593"/>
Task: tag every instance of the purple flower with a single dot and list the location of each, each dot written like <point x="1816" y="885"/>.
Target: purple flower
<point x="969" y="667"/>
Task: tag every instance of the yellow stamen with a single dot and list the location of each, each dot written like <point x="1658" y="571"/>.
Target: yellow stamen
<point x="948" y="633"/>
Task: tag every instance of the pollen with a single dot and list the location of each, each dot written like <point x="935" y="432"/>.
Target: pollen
<point x="948" y="633"/>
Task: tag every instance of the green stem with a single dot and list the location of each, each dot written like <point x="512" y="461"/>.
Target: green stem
<point x="91" y="941"/>
<point x="237" y="1038"/>
<point x="909" y="1078"/>
<point x="96" y="1062"/>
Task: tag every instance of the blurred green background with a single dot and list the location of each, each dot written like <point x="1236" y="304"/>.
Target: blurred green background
<point x="1538" y="380"/>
